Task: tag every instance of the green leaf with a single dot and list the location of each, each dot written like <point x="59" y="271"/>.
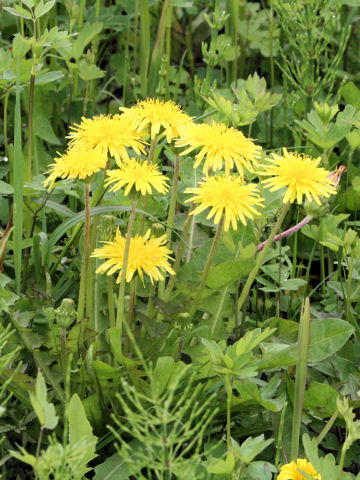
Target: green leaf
<point x="89" y="71"/>
<point x="351" y="93"/>
<point x="223" y="466"/>
<point x="29" y="3"/>
<point x="113" y="468"/>
<point x="6" y="188"/>
<point x="44" y="410"/>
<point x="87" y="34"/>
<point x="327" y="337"/>
<point x="165" y="372"/>
<point x="19" y="12"/>
<point x="251" y="447"/>
<point x="20" y="46"/>
<point x="48" y="77"/>
<point x="44" y="130"/>
<point x="251" y="339"/>
<point x="43" y="8"/>
<point x="80" y="428"/>
<point x="224" y="273"/>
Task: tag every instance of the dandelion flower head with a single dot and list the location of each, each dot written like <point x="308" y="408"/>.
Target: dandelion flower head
<point x="291" y="471"/>
<point x="157" y="114"/>
<point x="219" y="145"/>
<point x="301" y="175"/>
<point x="76" y="164"/>
<point x="226" y="195"/>
<point x="142" y="175"/>
<point x="108" y="134"/>
<point x="147" y="254"/>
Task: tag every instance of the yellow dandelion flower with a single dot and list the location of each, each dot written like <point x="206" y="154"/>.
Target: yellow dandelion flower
<point x="157" y="114"/>
<point x="219" y="144"/>
<point x="146" y="255"/>
<point x="292" y="470"/>
<point x="226" y="195"/>
<point x="301" y="175"/>
<point x="109" y="134"/>
<point x="76" y="164"/>
<point x="142" y="175"/>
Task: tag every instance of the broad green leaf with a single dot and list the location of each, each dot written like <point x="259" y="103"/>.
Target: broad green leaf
<point x="260" y="470"/>
<point x="327" y="337"/>
<point x="251" y="339"/>
<point x="224" y="273"/>
<point x="6" y="188"/>
<point x="88" y="32"/>
<point x="351" y="93"/>
<point x="80" y="428"/>
<point x="48" y="77"/>
<point x="223" y="466"/>
<point x="89" y="71"/>
<point x="116" y="347"/>
<point x="28" y="3"/>
<point x="20" y="46"/>
<point x="44" y="410"/>
<point x="162" y="373"/>
<point x="43" y="8"/>
<point x="18" y="12"/>
<point x="113" y="468"/>
<point x="251" y="447"/>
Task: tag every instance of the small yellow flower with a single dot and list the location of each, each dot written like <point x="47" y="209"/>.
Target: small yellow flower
<point x="226" y="195"/>
<point x="157" y="114"/>
<point x="108" y="134"/>
<point x="219" y="144"/>
<point x="142" y="175"/>
<point x="146" y="255"/>
<point x="301" y="175"/>
<point x="292" y="470"/>
<point x="76" y="164"/>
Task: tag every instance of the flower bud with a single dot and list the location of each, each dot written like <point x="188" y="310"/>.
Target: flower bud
<point x="66" y="313"/>
<point x="107" y="228"/>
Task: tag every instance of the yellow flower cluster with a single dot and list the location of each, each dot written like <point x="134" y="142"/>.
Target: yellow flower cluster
<point x="146" y="255"/>
<point x="218" y="146"/>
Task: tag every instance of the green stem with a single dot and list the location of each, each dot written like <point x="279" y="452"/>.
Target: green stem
<point x="30" y="128"/>
<point x="219" y="309"/>
<point x="348" y="290"/>
<point x="120" y="318"/>
<point x="6" y="101"/>
<point x="168" y="50"/>
<point x="228" y="388"/>
<point x="150" y="305"/>
<point x="111" y="301"/>
<point x="171" y="215"/>
<point x="327" y="427"/>
<point x="280" y="435"/>
<point x="261" y="256"/>
<point x="152" y="149"/>
<point x="131" y="310"/>
<point x="205" y="274"/>
<point x="85" y="257"/>
<point x="322" y="269"/>
<point x="300" y="379"/>
<point x="179" y="253"/>
<point x="342" y="460"/>
<point x="90" y="283"/>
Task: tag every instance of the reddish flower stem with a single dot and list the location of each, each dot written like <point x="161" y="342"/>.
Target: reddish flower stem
<point x="287" y="232"/>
